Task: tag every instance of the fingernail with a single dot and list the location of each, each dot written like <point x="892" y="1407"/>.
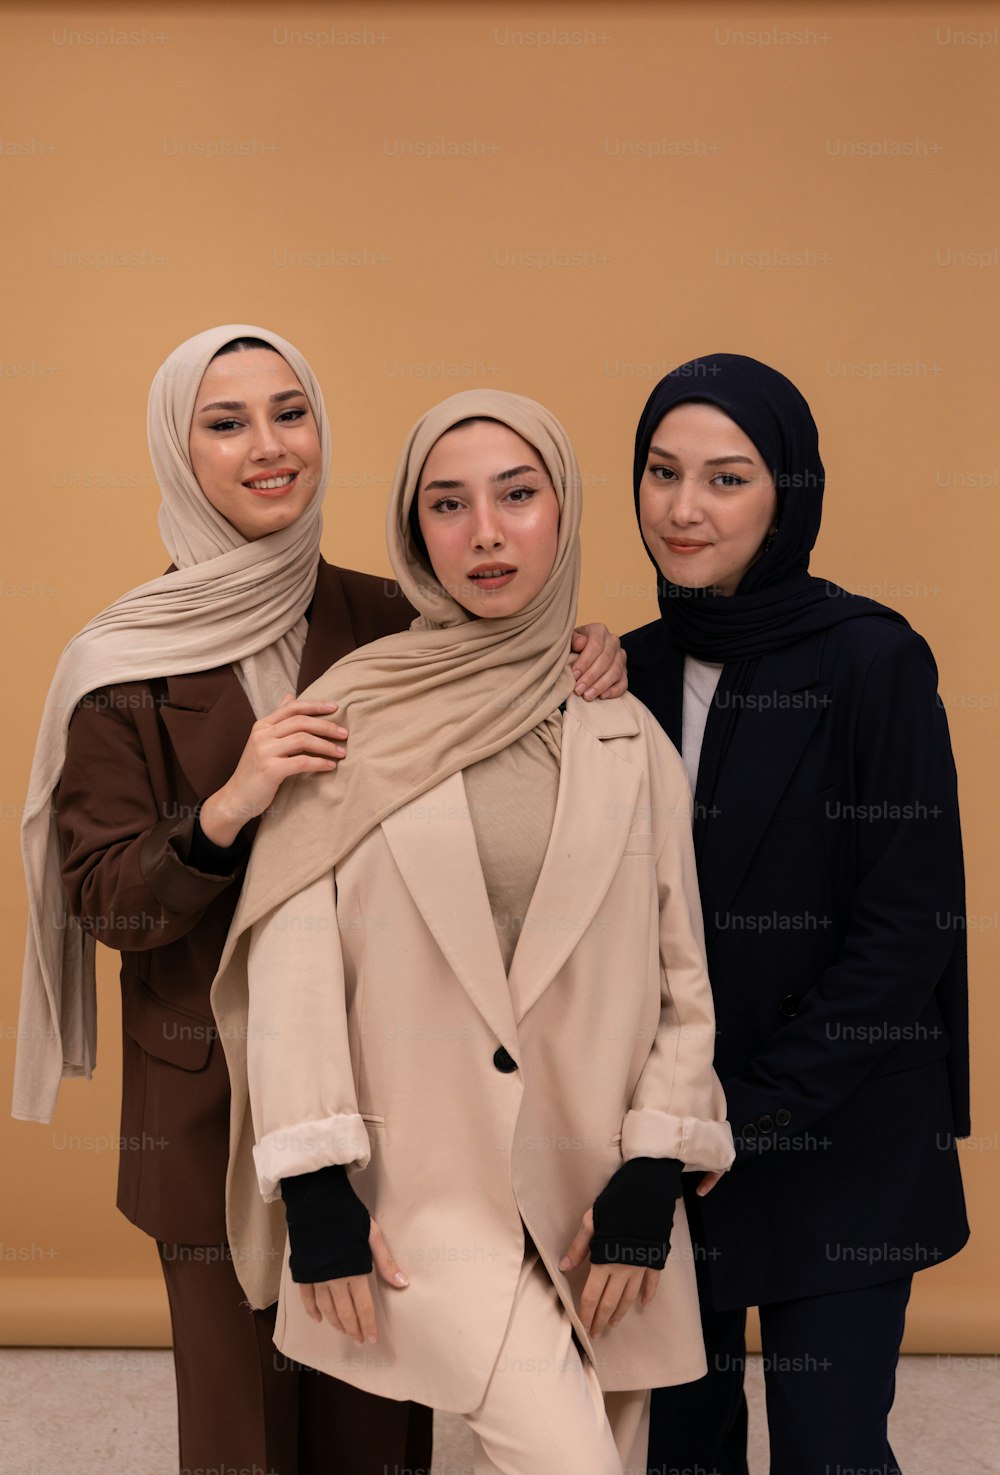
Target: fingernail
<point x="576" y="675"/>
<point x="565" y="1263"/>
<point x="371" y="1339"/>
<point x="400" y="1279"/>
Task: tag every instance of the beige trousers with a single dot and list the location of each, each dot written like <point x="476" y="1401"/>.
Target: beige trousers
<point x="544" y="1412"/>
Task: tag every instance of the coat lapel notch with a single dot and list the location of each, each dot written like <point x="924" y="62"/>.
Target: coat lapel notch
<point x="598" y="790"/>
<point x="208" y="718"/>
<point x="434" y="845"/>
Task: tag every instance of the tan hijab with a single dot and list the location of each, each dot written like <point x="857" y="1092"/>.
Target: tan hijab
<point x="229" y="600"/>
<point x="436" y="698"/>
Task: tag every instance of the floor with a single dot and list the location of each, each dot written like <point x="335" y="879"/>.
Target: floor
<point x="79" y="1412"/>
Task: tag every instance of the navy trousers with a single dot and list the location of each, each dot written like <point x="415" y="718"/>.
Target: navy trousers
<point x="829" y="1376"/>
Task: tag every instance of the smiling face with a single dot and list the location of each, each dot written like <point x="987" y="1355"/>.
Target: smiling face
<point x="254" y="442"/>
<point x="706" y="500"/>
<point x="489" y="516"/>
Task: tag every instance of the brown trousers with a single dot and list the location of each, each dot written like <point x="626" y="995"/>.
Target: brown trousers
<point x="243" y="1406"/>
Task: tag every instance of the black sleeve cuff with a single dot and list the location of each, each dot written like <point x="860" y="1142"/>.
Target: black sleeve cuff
<point x="218" y="860"/>
<point x="634" y="1215"/>
<point x="328" y="1226"/>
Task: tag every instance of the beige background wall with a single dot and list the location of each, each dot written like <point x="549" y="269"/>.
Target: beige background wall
<point x="563" y="201"/>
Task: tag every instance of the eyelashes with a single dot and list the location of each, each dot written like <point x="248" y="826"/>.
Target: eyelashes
<point x="287" y="416"/>
<point x="727" y="479"/>
<point x="448" y="504"/>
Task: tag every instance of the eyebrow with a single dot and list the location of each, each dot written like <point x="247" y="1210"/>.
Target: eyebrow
<point x="239" y="404"/>
<point x="715" y="460"/>
<point x="453" y="486"/>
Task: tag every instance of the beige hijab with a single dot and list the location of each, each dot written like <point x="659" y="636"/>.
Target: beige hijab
<point x="229" y="600"/>
<point x="421" y="705"/>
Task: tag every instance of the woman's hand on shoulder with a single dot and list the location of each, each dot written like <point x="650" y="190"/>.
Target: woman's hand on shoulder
<point x="297" y="737"/>
<point x="347" y="1303"/>
<point x="598" y="663"/>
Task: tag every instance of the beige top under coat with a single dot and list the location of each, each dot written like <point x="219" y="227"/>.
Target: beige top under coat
<point x="512" y="803"/>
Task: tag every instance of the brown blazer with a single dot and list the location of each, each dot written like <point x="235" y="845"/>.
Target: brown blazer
<point x="141" y="757"/>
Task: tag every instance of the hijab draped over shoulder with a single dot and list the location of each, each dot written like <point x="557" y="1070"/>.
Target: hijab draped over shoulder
<point x="423" y="704"/>
<point x="226" y="600"/>
<point x="420" y="705"/>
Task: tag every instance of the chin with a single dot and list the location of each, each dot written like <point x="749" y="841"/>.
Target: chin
<point x="684" y="580"/>
<point x="281" y="517"/>
<point x="497" y="610"/>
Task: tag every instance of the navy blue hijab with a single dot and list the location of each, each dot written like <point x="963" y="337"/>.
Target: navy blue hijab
<point x="778" y="601"/>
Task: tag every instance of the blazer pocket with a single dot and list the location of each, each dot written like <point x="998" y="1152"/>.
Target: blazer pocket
<point x="639" y="842"/>
<point x="805" y="806"/>
<point x="166" y="1033"/>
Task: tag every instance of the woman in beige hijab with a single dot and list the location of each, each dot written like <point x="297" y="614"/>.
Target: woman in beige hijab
<point x="464" y="997"/>
<point x="169" y="727"/>
<point x="179" y="730"/>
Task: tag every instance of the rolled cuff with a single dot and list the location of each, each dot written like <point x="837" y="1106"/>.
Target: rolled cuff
<point x="178" y="886"/>
<point x="307" y="1147"/>
<point x="702" y="1146"/>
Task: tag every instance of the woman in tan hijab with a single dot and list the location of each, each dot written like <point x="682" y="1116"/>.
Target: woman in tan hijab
<point x="464" y="995"/>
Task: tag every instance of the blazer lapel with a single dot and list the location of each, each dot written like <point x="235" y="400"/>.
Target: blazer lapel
<point x="207" y="713"/>
<point x="598" y="790"/>
<point x="208" y="718"/>
<point x="331" y="634"/>
<point x="434" y="845"/>
<point x="656" y="677"/>
<point x="768" y="741"/>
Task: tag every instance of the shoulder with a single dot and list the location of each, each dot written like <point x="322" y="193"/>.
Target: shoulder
<point x="643" y="740"/>
<point x="355" y="584"/>
<point x="113" y="722"/>
<point x="873" y="645"/>
<point x="645" y="643"/>
<point x="122" y="699"/>
<point x="377" y="603"/>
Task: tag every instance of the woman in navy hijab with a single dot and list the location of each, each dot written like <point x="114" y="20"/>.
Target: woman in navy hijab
<point x="830" y="866"/>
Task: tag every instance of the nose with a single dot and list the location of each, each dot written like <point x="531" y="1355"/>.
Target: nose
<point x="265" y="440"/>
<point x="487" y="535"/>
<point x="684" y="507"/>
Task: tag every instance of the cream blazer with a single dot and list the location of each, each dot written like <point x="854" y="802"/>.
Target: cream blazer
<point x="378" y="1005"/>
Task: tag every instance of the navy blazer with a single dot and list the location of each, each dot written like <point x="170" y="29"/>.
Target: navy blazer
<point x="830" y="867"/>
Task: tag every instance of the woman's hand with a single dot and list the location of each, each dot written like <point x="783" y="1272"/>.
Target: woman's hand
<point x="598" y="663"/>
<point x="611" y="1290"/>
<point x="297" y="737"/>
<point x="347" y="1303"/>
